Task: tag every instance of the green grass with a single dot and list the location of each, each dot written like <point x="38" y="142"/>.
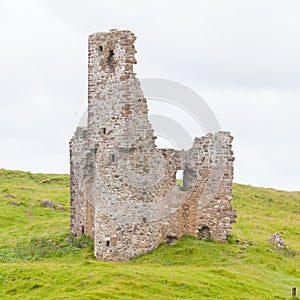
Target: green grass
<point x="191" y="269"/>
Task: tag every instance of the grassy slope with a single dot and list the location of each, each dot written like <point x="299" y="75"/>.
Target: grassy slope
<point x="190" y="269"/>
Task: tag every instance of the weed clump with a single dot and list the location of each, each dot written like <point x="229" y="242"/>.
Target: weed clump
<point x="39" y="248"/>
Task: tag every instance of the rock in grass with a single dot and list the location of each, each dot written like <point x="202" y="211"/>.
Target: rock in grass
<point x="278" y="240"/>
<point x="9" y="196"/>
<point x="50" y="204"/>
<point x="47" y="203"/>
<point x="14" y="203"/>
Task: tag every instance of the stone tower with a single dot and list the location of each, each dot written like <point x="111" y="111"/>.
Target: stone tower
<point x="123" y="188"/>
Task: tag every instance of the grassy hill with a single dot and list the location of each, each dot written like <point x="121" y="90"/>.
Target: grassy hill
<point x="37" y="263"/>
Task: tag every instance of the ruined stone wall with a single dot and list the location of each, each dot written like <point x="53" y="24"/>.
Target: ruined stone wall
<point x="81" y="178"/>
<point x="123" y="188"/>
<point x="78" y="147"/>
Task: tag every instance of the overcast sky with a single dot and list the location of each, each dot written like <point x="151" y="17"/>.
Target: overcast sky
<point x="241" y="56"/>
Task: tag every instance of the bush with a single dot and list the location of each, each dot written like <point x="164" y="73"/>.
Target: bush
<point x="84" y="241"/>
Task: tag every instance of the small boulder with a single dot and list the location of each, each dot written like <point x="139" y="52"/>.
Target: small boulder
<point x="277" y="240"/>
<point x="47" y="203"/>
<point x="14" y="203"/>
<point x="50" y="204"/>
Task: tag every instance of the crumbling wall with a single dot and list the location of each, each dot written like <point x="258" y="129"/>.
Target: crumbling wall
<point x="123" y="188"/>
<point x="81" y="178"/>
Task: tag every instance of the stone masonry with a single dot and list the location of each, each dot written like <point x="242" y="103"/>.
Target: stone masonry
<point x="123" y="188"/>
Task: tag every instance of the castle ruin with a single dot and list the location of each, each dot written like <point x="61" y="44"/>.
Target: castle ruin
<point x="123" y="188"/>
